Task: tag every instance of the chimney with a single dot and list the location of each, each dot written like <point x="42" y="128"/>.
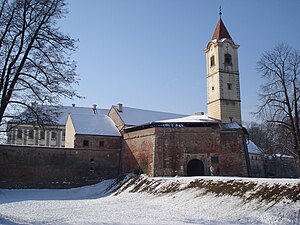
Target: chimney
<point x="120" y="107"/>
<point x="73" y="105"/>
<point x="94" y="108"/>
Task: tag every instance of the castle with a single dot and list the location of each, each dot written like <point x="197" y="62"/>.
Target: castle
<point x="158" y="143"/>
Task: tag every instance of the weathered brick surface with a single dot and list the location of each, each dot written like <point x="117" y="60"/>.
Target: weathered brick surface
<point x="110" y="143"/>
<point x="167" y="151"/>
<point x="38" y="167"/>
<point x="232" y="157"/>
<point x="137" y="152"/>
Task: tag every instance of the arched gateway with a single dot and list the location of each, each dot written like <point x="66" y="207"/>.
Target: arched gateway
<point x="195" y="167"/>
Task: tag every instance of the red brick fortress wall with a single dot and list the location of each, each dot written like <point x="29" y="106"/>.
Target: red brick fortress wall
<point x="164" y="151"/>
<point x="41" y="167"/>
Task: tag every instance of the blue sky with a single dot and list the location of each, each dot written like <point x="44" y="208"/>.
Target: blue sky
<point x="149" y="54"/>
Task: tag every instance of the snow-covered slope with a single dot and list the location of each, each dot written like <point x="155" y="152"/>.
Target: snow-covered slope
<point x="145" y="200"/>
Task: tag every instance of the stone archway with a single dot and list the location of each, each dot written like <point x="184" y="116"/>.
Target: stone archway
<point x="195" y="167"/>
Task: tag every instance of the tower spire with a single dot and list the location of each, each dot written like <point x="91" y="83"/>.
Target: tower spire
<point x="220" y="12"/>
<point x="220" y="31"/>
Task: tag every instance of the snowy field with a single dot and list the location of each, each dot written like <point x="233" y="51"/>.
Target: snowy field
<point x="155" y="201"/>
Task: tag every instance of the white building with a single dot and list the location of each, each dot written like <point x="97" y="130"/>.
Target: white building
<point x="50" y="134"/>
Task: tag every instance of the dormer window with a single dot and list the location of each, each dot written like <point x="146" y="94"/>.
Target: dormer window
<point x="212" y="61"/>
<point x="228" y="60"/>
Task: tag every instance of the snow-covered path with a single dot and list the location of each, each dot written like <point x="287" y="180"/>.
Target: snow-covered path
<point x="93" y="205"/>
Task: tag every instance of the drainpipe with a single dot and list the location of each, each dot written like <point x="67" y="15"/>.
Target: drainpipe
<point x="247" y="156"/>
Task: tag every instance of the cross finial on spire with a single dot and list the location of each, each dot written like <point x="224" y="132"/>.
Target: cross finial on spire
<point x="220" y="13"/>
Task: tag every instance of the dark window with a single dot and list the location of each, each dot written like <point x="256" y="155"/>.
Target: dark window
<point x="92" y="160"/>
<point x="30" y="134"/>
<point x="63" y="135"/>
<point x="92" y="169"/>
<point x="212" y="60"/>
<point x="101" y="144"/>
<point x="19" y="134"/>
<point x="229" y="86"/>
<point x="228" y="60"/>
<point x="42" y="135"/>
<point x="86" y="143"/>
<point x="53" y="135"/>
<point x="214" y="159"/>
<point x="213" y="88"/>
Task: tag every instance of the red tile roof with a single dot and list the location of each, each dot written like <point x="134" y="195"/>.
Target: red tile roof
<point x="220" y="31"/>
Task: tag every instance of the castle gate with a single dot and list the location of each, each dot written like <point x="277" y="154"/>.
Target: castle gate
<point x="195" y="167"/>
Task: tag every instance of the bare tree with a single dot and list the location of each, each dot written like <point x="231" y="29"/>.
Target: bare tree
<point x="279" y="95"/>
<point x="35" y="56"/>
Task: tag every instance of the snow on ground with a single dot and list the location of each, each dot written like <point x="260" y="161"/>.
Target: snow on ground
<point x="145" y="200"/>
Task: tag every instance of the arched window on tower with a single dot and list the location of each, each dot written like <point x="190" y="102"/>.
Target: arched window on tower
<point x="228" y="60"/>
<point x="212" y="61"/>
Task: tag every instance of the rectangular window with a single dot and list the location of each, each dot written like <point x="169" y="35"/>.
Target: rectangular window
<point x="229" y="86"/>
<point x="85" y="143"/>
<point x="63" y="136"/>
<point x="214" y="159"/>
<point x="228" y="61"/>
<point x="101" y="144"/>
<point x="212" y="61"/>
<point x="19" y="134"/>
<point x="42" y="135"/>
<point x="53" y="135"/>
<point x="30" y="134"/>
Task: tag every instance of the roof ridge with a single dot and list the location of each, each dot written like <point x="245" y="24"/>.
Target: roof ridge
<point x="150" y="110"/>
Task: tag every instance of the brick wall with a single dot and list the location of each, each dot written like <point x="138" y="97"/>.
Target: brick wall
<point x="94" y="142"/>
<point x="167" y="151"/>
<point x="137" y="151"/>
<point x="175" y="147"/>
<point x="41" y="167"/>
<point x="233" y="160"/>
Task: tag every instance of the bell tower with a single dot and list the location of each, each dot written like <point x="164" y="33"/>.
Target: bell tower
<point x="222" y="76"/>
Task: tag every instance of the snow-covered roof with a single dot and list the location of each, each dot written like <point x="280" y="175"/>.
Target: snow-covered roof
<point x="94" y="124"/>
<point x="253" y="148"/>
<point x="58" y="114"/>
<point x="133" y="116"/>
<point x="66" y="110"/>
<point x="190" y="119"/>
<point x="232" y="125"/>
<point x="283" y="156"/>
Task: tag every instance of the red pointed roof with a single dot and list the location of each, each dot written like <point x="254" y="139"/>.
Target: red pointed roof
<point x="220" y="31"/>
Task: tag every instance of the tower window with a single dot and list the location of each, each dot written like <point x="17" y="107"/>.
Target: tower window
<point x="228" y="60"/>
<point x="213" y="88"/>
<point x="229" y="86"/>
<point x="212" y="61"/>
